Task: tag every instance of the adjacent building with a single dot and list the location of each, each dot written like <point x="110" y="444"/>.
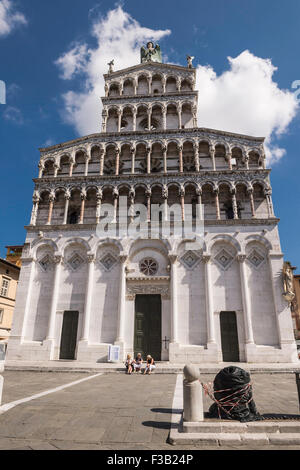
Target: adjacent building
<point x="206" y="292"/>
<point x="9" y="275"/>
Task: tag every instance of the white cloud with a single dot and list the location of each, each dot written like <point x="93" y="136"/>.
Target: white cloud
<point x="13" y="114"/>
<point x="119" y="37"/>
<point x="246" y="100"/>
<point x="9" y="17"/>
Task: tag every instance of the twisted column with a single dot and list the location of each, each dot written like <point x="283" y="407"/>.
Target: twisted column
<point x="250" y="192"/>
<point x="212" y="154"/>
<point x="216" y="192"/>
<point x="83" y="199"/>
<point x="133" y="153"/>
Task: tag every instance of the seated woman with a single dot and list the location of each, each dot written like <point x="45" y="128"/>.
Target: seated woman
<point x="150" y="365"/>
<point x="129" y="364"/>
<point x="138" y="363"/>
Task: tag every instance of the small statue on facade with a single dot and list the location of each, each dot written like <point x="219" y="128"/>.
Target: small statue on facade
<point x="190" y="59"/>
<point x="288" y="284"/>
<point x="151" y="53"/>
<point x="111" y="66"/>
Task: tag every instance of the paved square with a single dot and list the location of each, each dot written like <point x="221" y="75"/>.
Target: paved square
<point x="113" y="411"/>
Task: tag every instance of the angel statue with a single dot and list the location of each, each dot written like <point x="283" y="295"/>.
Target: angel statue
<point x="150" y="53"/>
<point x="190" y="59"/>
<point x="288" y="284"/>
<point x="111" y="66"/>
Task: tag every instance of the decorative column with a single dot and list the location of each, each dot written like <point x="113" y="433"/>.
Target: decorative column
<point x="247" y="161"/>
<point x="250" y="192"/>
<point x="104" y="119"/>
<point x="122" y="300"/>
<point x="148" y="160"/>
<point x="88" y="298"/>
<point x="148" y="196"/>
<point x="99" y="196"/>
<point x="174" y="303"/>
<point x="135" y="85"/>
<point x="246" y="300"/>
<point x="234" y="203"/>
<point x="149" y="80"/>
<point x="199" y="203"/>
<point x="115" y="197"/>
<point x="164" y="117"/>
<point x="268" y="194"/>
<point x="51" y="203"/>
<point x="149" y="112"/>
<point x="180" y="150"/>
<point x="102" y="155"/>
<point x="164" y="82"/>
<point x="67" y="202"/>
<point x="56" y="168"/>
<point x="55" y="293"/>
<point x="211" y="335"/>
<point x="196" y="152"/>
<point x="117" y="161"/>
<point x="216" y="192"/>
<point x="35" y="200"/>
<point x="83" y="199"/>
<point x="165" y="194"/>
<point x="131" y="209"/>
<point x="72" y="163"/>
<point x="212" y="154"/>
<point x="194" y="112"/>
<point x="165" y="149"/>
<point x="134" y="114"/>
<point x="133" y="153"/>
<point x="228" y="158"/>
<point x="119" y="119"/>
<point x="41" y="169"/>
<point x="178" y="84"/>
<point x="179" y="111"/>
<point x="86" y="169"/>
<point x="182" y="194"/>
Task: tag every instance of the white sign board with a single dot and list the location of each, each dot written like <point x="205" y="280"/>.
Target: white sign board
<point x="113" y="353"/>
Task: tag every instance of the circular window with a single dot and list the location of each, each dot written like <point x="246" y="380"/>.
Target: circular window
<point x="148" y="266"/>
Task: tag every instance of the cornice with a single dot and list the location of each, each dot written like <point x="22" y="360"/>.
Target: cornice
<point x="207" y="222"/>
<point x="150" y="66"/>
<point x="193" y="132"/>
<point x="201" y="175"/>
<point x="152" y="97"/>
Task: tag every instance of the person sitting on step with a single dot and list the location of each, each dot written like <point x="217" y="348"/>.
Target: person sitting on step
<point x="129" y="364"/>
<point x="150" y="365"/>
<point x="138" y="362"/>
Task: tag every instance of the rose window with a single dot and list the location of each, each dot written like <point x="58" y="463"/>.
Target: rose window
<point x="148" y="267"/>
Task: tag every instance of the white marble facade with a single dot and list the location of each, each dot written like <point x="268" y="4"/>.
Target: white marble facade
<point x="66" y="266"/>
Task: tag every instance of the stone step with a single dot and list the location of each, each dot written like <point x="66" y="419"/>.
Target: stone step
<point x="230" y="439"/>
<point x="255" y="427"/>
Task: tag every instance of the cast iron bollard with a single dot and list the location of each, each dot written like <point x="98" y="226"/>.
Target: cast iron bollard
<point x="192" y="395"/>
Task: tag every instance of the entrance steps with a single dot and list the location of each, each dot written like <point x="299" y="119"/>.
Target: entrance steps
<point x="224" y="433"/>
<point x="161" y="367"/>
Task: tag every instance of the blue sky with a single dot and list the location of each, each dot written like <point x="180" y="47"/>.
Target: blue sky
<point x="35" y="113"/>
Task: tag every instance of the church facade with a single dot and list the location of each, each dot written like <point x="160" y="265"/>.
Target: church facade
<point x="208" y="291"/>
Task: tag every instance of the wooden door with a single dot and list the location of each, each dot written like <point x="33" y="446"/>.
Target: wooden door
<point x="229" y="337"/>
<point x="69" y="335"/>
<point x="147" y="335"/>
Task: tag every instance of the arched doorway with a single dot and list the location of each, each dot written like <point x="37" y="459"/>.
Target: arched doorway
<point x="229" y="337"/>
<point x="147" y="331"/>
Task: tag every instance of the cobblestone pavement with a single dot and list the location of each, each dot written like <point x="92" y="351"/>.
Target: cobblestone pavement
<point x="113" y="411"/>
